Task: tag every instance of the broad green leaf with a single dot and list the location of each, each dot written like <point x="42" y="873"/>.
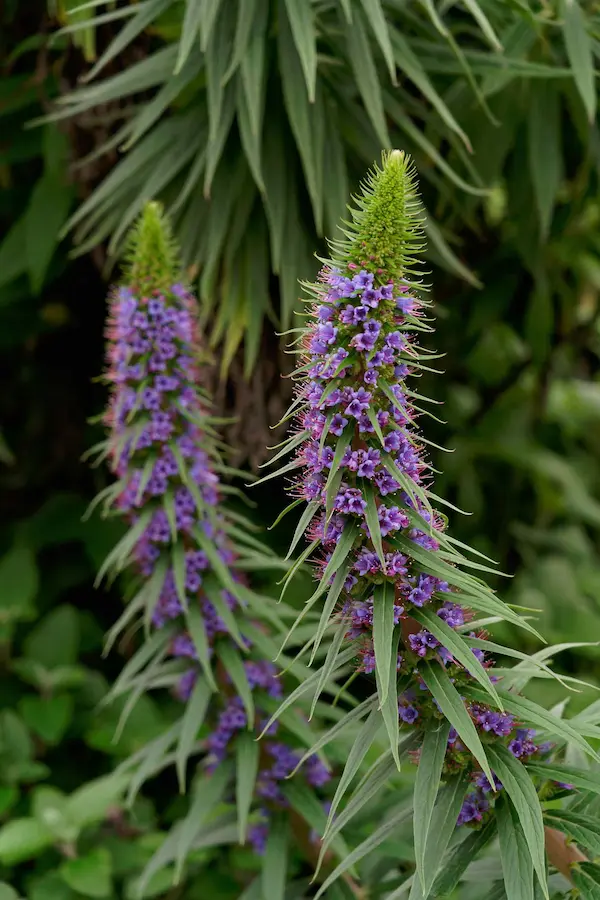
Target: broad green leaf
<point x="586" y="877"/>
<point x="453" y="707"/>
<point x="516" y="859"/>
<point x="427" y="784"/>
<point x="90" y="874"/>
<point x="579" y="50"/>
<point x="383" y="634"/>
<point x="91" y="802"/>
<point x="275" y="860"/>
<point x="19" y="582"/>
<point x="523" y="797"/>
<point x="301" y="19"/>
<point x="22" y="839"/>
<point x="46" y="214"/>
<point x="246" y="755"/>
<point x="581" y="829"/>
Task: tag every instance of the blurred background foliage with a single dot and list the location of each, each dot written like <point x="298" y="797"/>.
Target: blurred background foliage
<point x="252" y="120"/>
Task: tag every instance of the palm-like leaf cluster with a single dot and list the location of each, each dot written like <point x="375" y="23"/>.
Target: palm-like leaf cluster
<point x="252" y="121"/>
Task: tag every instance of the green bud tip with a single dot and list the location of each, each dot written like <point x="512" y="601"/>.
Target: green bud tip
<point x="151" y="260"/>
<point x="386" y="233"/>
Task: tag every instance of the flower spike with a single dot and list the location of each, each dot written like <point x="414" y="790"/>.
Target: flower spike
<point x="208" y="635"/>
<point x="390" y="577"/>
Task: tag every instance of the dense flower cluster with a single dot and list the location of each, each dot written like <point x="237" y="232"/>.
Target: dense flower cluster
<point x="365" y="471"/>
<point x="168" y="491"/>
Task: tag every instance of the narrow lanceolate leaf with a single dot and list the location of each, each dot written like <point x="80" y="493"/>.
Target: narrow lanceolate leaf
<point x="459" y="857"/>
<point x="389" y="709"/>
<point x="208" y="793"/>
<point x="275" y="859"/>
<point x="195" y="713"/>
<point x="532" y="712"/>
<point x="459" y="649"/>
<point x="367" y="846"/>
<point x="441" y="829"/>
<point x="587" y="780"/>
<point x="517" y="865"/>
<point x="453" y="707"/>
<point x="427" y="784"/>
<point x="586" y="877"/>
<point x="365" y="73"/>
<point x="247" y="753"/>
<point x="373" y="524"/>
<point x="545" y="149"/>
<point x="383" y="633"/>
<point x="300" y="15"/>
<point x="579" y="50"/>
<point x="523" y="796"/>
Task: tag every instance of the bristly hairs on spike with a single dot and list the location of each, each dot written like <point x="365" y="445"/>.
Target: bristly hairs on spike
<point x="207" y="634"/>
<point x="396" y="587"/>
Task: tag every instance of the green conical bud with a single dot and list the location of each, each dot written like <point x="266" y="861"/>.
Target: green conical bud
<point x="386" y="233"/>
<point x="151" y="259"/>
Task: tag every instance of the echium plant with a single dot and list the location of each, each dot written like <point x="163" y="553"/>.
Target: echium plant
<point x="395" y="588"/>
<point x="207" y="634"/>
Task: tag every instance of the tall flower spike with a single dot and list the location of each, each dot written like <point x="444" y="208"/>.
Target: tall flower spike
<point x="392" y="583"/>
<point x="207" y="631"/>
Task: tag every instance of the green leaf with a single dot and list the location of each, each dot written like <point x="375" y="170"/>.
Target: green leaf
<point x="90" y="875"/>
<point x="376" y="18"/>
<point x="301" y="19"/>
<point x="389" y="709"/>
<point x="48" y="717"/>
<point x="246" y="754"/>
<point x="148" y="13"/>
<point x="588" y="781"/>
<point x="545" y="151"/>
<point x="365" y="73"/>
<point x="193" y="21"/>
<point x="460" y="857"/>
<point x="581" y="829"/>
<point x="303" y="116"/>
<point x="360" y="747"/>
<point x="580" y="53"/>
<point x="459" y="649"/>
<point x="207" y="15"/>
<point x="441" y="829"/>
<point x="22" y="839"/>
<point x="453" y="707"/>
<point x="303" y="800"/>
<point x="208" y="794"/>
<point x="586" y="877"/>
<point x="275" y="860"/>
<point x="18" y="584"/>
<point x="383" y="634"/>
<point x="484" y="23"/>
<point x="366" y="847"/>
<point x="427" y="783"/>
<point x="529" y="711"/>
<point x="523" y="796"/>
<point x="193" y="718"/>
<point x="91" y="802"/>
<point x="55" y="640"/>
<point x="195" y="623"/>
<point x="516" y="859"/>
<point x="252" y="70"/>
<point x="234" y="667"/>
